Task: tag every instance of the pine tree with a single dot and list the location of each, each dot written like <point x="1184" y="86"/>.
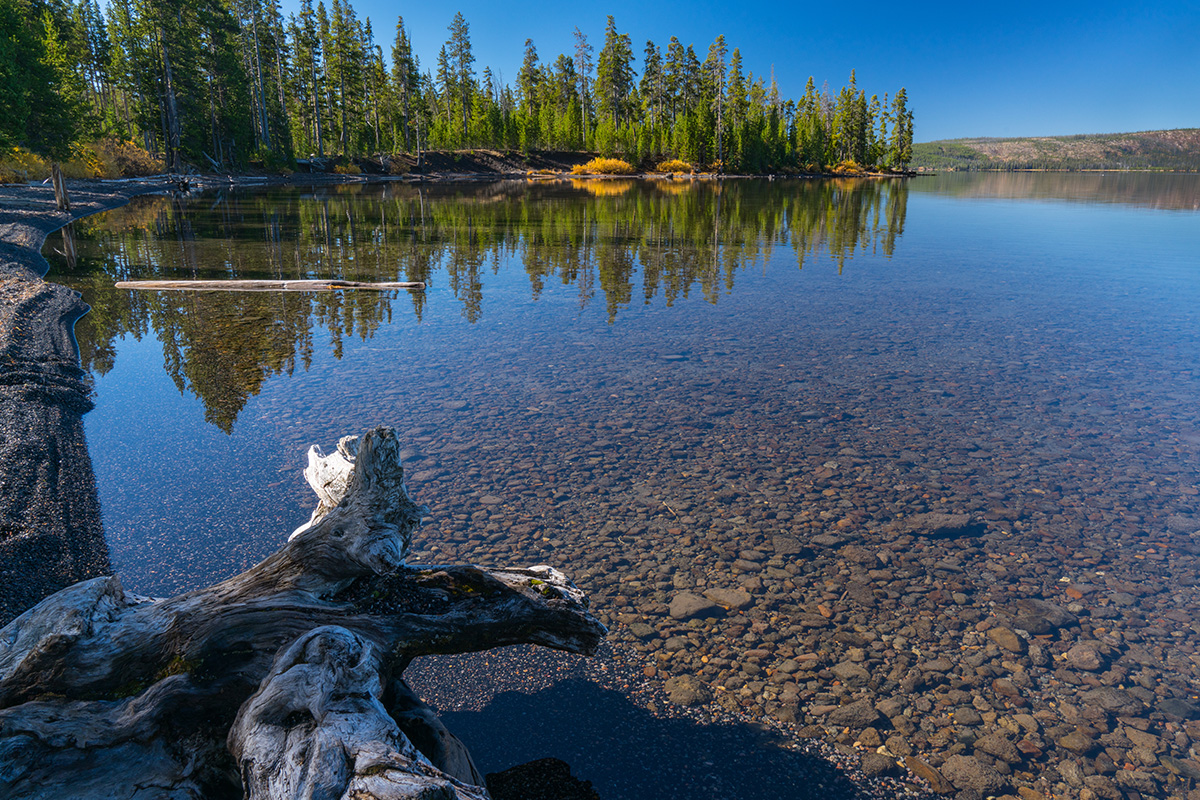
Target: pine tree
<point x="583" y="73"/>
<point x="528" y="80"/>
<point x="714" y="71"/>
<point x="652" y="86"/>
<point x="614" y="75"/>
<point x="461" y="64"/>
<point x="900" y="144"/>
<point x="405" y="80"/>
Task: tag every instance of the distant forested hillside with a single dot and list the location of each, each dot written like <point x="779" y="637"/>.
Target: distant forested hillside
<point x="1159" y="150"/>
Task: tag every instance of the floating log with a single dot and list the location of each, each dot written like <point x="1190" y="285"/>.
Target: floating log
<point x="266" y="286"/>
<point x="285" y="681"/>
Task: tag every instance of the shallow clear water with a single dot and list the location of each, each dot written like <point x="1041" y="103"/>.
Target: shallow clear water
<point x="563" y="316"/>
<point x="649" y="385"/>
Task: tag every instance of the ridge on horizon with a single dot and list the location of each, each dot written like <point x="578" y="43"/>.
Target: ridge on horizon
<point x="1172" y="149"/>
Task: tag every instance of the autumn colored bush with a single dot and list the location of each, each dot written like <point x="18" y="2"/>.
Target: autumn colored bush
<point x="104" y="158"/>
<point x="674" y="165"/>
<point x="847" y="168"/>
<point x="603" y="166"/>
<point x="18" y="165"/>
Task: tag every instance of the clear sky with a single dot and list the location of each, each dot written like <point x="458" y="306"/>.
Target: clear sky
<point x="971" y="69"/>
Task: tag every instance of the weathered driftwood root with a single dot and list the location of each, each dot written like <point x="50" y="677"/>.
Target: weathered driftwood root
<point x="317" y="727"/>
<point x="107" y="695"/>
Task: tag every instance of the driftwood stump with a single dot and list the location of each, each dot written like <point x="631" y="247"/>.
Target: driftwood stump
<point x="285" y="681"/>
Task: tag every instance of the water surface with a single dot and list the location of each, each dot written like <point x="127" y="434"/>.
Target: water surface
<point x="675" y="387"/>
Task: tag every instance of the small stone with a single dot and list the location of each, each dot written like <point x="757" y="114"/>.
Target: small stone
<point x="1178" y="523"/>
<point x="1085" y="656"/>
<point x="898" y="745"/>
<point x="851" y="674"/>
<point x="642" y="631"/>
<point x="968" y="772"/>
<point x="891" y="707"/>
<point x="942" y="526"/>
<point x="1077" y="742"/>
<point x="687" y="690"/>
<point x="856" y="716"/>
<point x="1187" y="768"/>
<point x="876" y="765"/>
<point x="687" y="605"/>
<point x="1101" y="786"/>
<point x="546" y="777"/>
<point x="1177" y="708"/>
<point x="1007" y="639"/>
<point x="490" y="500"/>
<point x="929" y="774"/>
<point x="786" y="545"/>
<point x="1112" y="699"/>
<point x="1041" y="616"/>
<point x="1138" y="781"/>
<point x="870" y="738"/>
<point x="967" y="716"/>
<point x="738" y="599"/>
<point x="998" y="747"/>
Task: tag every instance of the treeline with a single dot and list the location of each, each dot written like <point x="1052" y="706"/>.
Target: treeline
<point x="228" y="82"/>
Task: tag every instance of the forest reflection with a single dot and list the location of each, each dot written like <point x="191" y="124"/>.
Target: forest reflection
<point x="609" y="240"/>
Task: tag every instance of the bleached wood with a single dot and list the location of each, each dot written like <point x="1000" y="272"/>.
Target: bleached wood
<point x="317" y="727"/>
<point x="266" y="285"/>
<point x="99" y="688"/>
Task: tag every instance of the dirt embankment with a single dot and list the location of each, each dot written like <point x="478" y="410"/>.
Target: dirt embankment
<point x="447" y="164"/>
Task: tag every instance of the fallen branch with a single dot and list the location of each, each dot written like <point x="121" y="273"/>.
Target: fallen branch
<point x="265" y="285"/>
<point x="102" y="692"/>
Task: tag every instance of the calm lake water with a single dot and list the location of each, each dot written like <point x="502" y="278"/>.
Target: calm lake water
<point x="671" y="387"/>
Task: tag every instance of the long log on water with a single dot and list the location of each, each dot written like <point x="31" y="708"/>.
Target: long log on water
<point x="285" y="681"/>
<point x="267" y="285"/>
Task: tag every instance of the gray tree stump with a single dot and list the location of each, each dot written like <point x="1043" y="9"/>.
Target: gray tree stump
<point x="297" y="663"/>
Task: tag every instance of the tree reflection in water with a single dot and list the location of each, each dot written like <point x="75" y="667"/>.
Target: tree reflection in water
<point x="670" y="238"/>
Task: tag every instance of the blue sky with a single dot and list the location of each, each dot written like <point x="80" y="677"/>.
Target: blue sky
<point x="999" y="69"/>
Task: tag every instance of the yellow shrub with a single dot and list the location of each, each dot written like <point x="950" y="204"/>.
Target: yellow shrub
<point x="603" y="166"/>
<point x="103" y="158"/>
<point x="18" y="165"/>
<point x="674" y="165"/>
<point x="847" y="167"/>
<point x="347" y="169"/>
<point x="533" y="173"/>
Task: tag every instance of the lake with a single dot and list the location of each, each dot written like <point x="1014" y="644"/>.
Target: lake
<point x="886" y="424"/>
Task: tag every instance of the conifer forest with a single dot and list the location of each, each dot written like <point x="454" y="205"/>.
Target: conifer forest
<point x="226" y="84"/>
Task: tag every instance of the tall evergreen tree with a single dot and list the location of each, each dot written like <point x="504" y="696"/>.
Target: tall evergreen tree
<point x="614" y="75"/>
<point x="405" y="79"/>
<point x="461" y="62"/>
<point x="583" y="73"/>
